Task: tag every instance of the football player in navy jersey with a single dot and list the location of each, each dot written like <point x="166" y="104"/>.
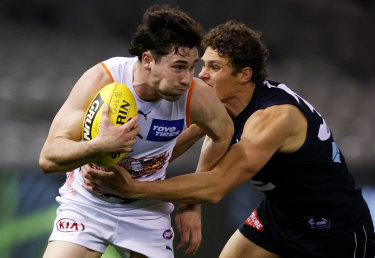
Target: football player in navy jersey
<point x="312" y="205"/>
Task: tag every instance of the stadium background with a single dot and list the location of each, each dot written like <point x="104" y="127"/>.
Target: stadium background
<point x="324" y="50"/>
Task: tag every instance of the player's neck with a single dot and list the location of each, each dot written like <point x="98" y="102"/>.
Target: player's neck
<point x="238" y="102"/>
<point x="140" y="84"/>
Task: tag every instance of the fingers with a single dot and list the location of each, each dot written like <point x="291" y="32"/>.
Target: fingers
<point x="92" y="177"/>
<point x="188" y="222"/>
<point x="184" y="239"/>
<point x="132" y="122"/>
<point x="131" y="127"/>
<point x="178" y="224"/>
<point x="105" y="112"/>
<point x="89" y="182"/>
<point x="195" y="242"/>
<point x="195" y="239"/>
<point x="117" y="169"/>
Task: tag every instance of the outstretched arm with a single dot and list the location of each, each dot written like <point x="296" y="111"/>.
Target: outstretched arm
<point x="258" y="143"/>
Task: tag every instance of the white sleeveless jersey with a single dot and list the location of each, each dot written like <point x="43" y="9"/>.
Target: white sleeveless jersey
<point x="160" y="123"/>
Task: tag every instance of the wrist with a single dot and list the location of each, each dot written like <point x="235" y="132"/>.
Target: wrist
<point x="132" y="189"/>
<point x="189" y="206"/>
<point x="94" y="147"/>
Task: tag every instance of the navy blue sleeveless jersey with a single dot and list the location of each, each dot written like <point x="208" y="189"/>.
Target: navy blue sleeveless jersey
<point x="313" y="183"/>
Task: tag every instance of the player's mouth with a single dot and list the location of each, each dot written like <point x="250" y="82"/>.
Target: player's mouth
<point x="181" y="90"/>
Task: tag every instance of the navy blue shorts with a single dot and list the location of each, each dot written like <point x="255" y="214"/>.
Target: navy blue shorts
<point x="314" y="237"/>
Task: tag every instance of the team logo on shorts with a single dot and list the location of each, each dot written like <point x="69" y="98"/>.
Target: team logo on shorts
<point x="254" y="221"/>
<point x="168" y="234"/>
<point x="315" y="222"/>
<point x="69" y="225"/>
<point x="164" y="130"/>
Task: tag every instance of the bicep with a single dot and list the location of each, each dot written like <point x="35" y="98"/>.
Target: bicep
<point x="68" y="120"/>
<point x="262" y="135"/>
<point x="210" y="114"/>
<point x="265" y="132"/>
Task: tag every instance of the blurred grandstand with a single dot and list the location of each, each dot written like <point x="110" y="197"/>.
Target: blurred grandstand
<point x="323" y="50"/>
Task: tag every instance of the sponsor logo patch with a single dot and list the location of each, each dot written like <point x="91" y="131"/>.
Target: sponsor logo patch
<point x="168" y="234"/>
<point x="91" y="113"/>
<point x="315" y="222"/>
<point x="69" y="225"/>
<point x="145" y="166"/>
<point x="254" y="221"/>
<point x="164" y="130"/>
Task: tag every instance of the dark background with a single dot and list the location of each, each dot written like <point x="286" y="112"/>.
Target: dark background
<point x="323" y="50"/>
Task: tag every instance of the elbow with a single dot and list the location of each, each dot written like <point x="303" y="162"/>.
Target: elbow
<point x="46" y="165"/>
<point x="214" y="198"/>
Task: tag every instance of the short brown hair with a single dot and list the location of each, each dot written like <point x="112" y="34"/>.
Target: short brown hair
<point x="241" y="45"/>
<point x="164" y="29"/>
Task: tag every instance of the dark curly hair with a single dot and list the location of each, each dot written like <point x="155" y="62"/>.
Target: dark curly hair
<point x="163" y="29"/>
<point x="241" y="45"/>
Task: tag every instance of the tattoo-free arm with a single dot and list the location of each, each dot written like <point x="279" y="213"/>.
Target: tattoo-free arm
<point x="63" y="149"/>
<point x="258" y="143"/>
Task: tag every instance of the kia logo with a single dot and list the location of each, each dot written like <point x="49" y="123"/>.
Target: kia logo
<point x="69" y="225"/>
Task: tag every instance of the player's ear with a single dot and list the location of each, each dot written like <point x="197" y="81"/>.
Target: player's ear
<point x="246" y="74"/>
<point x="146" y="60"/>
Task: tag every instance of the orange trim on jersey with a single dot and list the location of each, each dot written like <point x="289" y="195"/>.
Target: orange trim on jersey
<point x="106" y="69"/>
<point x="188" y="103"/>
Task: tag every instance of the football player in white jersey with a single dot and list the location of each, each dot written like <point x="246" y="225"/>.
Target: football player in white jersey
<point x="161" y="76"/>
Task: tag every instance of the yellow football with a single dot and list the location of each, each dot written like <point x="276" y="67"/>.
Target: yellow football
<point x="122" y="106"/>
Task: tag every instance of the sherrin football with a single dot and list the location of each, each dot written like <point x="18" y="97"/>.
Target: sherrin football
<point x="122" y="107"/>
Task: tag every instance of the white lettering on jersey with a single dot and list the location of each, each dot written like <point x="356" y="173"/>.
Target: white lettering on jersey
<point x="165" y="131"/>
<point x="324" y="132"/>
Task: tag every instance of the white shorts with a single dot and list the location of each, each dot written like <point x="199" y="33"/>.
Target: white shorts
<point x="143" y="226"/>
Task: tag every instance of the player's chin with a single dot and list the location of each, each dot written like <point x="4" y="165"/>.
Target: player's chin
<point x="172" y="97"/>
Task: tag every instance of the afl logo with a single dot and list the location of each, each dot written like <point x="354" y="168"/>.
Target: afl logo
<point x="69" y="225"/>
<point x="168" y="234"/>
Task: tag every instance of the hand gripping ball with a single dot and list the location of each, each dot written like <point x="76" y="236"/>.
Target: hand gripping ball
<point x="122" y="106"/>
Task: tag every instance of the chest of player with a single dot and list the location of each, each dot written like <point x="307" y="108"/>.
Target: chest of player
<point x="160" y="124"/>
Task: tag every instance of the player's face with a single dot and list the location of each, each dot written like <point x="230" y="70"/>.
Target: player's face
<point x="218" y="73"/>
<point x="172" y="75"/>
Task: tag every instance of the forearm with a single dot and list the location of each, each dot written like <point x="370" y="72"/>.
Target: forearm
<point x="185" y="140"/>
<point x="202" y="187"/>
<point x="63" y="155"/>
<point x="211" y="153"/>
<point x="189" y="188"/>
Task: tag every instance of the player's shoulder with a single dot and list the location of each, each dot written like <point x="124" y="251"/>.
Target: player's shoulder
<point x="275" y="112"/>
<point x="198" y="82"/>
<point x="200" y="85"/>
<point x="119" y="60"/>
<point x="201" y="91"/>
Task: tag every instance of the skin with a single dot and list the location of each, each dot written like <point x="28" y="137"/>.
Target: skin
<point x="63" y="150"/>
<point x="243" y="160"/>
<point x="167" y="79"/>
